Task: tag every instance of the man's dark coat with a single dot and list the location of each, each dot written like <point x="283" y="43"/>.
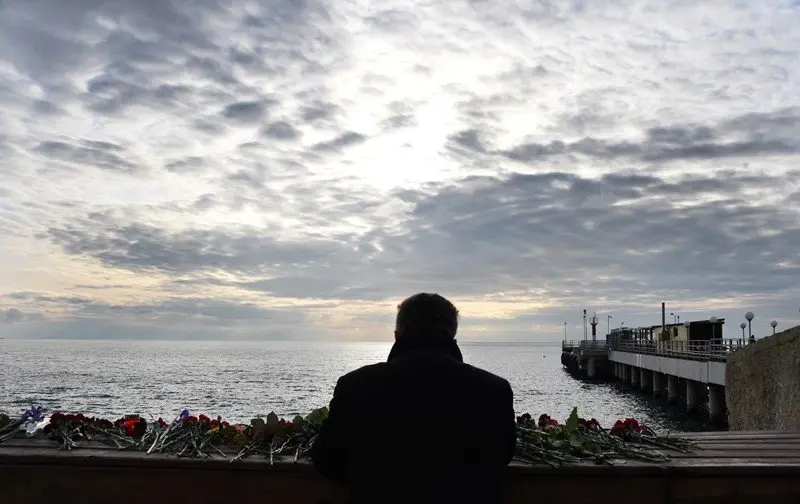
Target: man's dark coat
<point x="421" y="427"/>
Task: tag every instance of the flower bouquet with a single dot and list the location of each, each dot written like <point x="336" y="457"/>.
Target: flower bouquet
<point x="30" y="421"/>
<point x="542" y="441"/>
<point x="8" y="427"/>
<point x="547" y="441"/>
<point x="186" y="436"/>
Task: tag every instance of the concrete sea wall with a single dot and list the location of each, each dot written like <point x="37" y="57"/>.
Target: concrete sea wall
<point x="763" y="384"/>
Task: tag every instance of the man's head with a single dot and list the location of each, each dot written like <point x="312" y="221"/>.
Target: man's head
<point x="426" y="318"/>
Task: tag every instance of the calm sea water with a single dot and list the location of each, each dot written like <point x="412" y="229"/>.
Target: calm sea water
<point x="240" y="380"/>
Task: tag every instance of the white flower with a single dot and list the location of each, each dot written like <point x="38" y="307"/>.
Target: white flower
<point x="31" y="428"/>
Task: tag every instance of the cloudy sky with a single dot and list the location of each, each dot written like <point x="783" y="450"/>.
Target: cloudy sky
<point x="294" y="168"/>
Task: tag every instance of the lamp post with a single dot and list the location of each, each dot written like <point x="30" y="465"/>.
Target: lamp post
<point x="565" y="332"/>
<point x="750" y="316"/>
<point x="679" y="319"/>
<point x="713" y="321"/>
<point x="686" y="324"/>
<point x="773" y="324"/>
<point x="742" y="325"/>
<point x="608" y="324"/>
<point x="674" y="318"/>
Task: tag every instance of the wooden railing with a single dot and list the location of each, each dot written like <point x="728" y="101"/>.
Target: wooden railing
<point x="718" y="349"/>
<point x="726" y="467"/>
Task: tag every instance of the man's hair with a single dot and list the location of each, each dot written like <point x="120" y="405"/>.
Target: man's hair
<point x="428" y="316"/>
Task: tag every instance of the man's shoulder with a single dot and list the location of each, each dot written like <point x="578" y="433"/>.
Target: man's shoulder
<point x="488" y="377"/>
<point x="373" y="370"/>
<point x="363" y="373"/>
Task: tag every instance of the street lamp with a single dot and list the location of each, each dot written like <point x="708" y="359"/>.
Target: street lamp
<point x="608" y="324"/>
<point x="674" y="318"/>
<point x="750" y="316"/>
<point x="713" y="321"/>
<point x="742" y="325"/>
<point x="773" y="324"/>
<point x="686" y="324"/>
<point x="565" y="332"/>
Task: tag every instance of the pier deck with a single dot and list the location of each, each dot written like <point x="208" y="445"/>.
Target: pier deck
<point x="729" y="468"/>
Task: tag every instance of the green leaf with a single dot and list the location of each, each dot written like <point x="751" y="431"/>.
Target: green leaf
<point x="272" y="419"/>
<point x="259" y="427"/>
<point x="572" y="421"/>
<point x="318" y="415"/>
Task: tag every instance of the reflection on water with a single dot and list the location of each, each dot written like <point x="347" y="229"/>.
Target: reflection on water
<point x="242" y="379"/>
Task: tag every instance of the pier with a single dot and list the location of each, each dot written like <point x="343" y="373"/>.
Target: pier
<point x="681" y="362"/>
<point x="692" y="371"/>
<point x="586" y="359"/>
<point x="729" y="468"/>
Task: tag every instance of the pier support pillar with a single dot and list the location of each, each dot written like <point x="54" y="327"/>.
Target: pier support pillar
<point x="693" y="395"/>
<point x="617" y="372"/>
<point x="626" y="372"/>
<point x="635" y="376"/>
<point x="672" y="389"/>
<point x="591" y="367"/>
<point x="716" y="404"/>
<point x="644" y="379"/>
<point x="658" y="384"/>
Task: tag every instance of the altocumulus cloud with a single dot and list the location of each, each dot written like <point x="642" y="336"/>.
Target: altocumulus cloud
<point x="293" y="169"/>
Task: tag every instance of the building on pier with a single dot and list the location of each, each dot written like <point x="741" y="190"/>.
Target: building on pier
<point x="699" y="330"/>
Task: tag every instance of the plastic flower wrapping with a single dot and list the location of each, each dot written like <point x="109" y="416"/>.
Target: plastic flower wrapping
<point x="539" y="441"/>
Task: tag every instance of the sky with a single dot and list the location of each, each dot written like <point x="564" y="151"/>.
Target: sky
<point x="293" y="169"/>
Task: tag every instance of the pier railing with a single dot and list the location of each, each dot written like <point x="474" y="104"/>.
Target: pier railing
<point x="584" y="345"/>
<point x="718" y="349"/>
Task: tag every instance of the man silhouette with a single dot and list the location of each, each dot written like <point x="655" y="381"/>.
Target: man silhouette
<point x="423" y="426"/>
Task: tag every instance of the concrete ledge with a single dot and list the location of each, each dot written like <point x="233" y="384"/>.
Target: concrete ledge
<point x="763" y="384"/>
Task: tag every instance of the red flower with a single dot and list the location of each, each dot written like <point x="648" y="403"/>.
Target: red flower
<point x="204" y="419"/>
<point x="191" y="419"/>
<point x="525" y="419"/>
<point x="161" y="422"/>
<point x="631" y="423"/>
<point x="134" y="427"/>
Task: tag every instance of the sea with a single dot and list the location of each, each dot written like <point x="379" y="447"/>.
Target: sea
<point x="240" y="380"/>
